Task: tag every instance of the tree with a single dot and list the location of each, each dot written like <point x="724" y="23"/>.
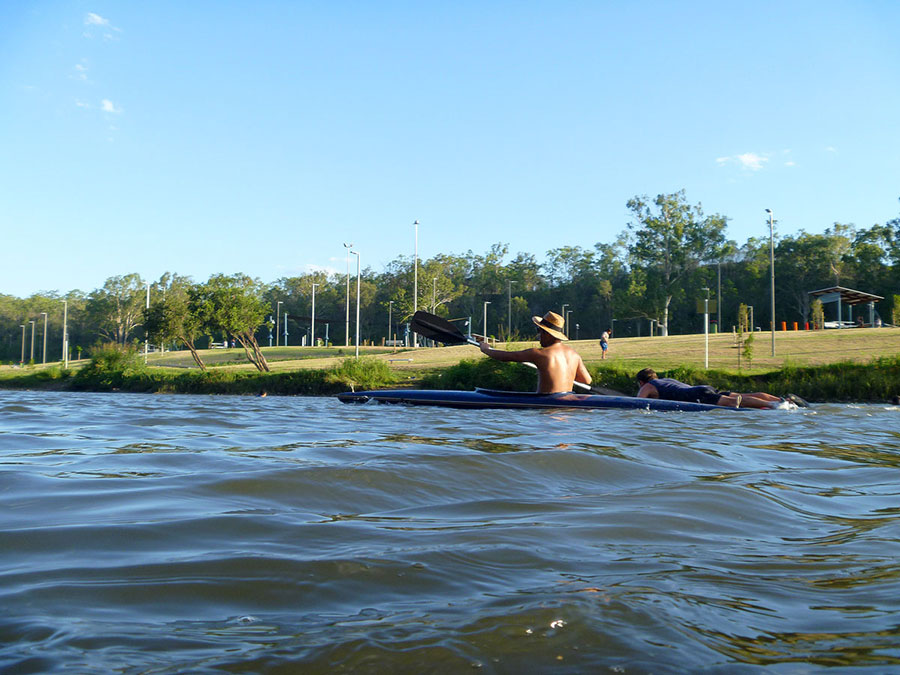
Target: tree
<point x="174" y="316"/>
<point x="670" y="238"/>
<point x="117" y="308"/>
<point x="234" y="305"/>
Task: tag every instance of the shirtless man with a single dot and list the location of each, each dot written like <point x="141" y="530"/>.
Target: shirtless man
<point x="558" y="365"/>
<point x="653" y="386"/>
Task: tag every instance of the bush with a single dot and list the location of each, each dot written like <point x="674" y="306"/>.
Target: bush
<point x="110" y="366"/>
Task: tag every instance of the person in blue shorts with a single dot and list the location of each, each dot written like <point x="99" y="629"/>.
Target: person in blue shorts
<point x="604" y="341"/>
<point x="653" y="386"/>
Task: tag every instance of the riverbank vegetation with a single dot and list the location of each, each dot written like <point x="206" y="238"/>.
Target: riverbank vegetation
<point x="872" y="376"/>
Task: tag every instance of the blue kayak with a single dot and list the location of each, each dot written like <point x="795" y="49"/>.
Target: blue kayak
<point x="491" y="398"/>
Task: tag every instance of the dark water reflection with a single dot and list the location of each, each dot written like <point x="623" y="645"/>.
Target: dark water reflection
<point x="222" y="534"/>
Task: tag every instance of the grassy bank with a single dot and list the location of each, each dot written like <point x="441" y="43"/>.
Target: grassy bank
<point x="846" y="365"/>
<point x="131" y="375"/>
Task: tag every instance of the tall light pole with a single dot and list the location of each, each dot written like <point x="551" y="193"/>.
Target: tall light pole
<point x="44" y="358"/>
<point x="509" y="283"/>
<point x="719" y="301"/>
<point x="356" y="253"/>
<point x="563" y="313"/>
<point x="416" y="280"/>
<point x="22" y="360"/>
<point x="32" y="340"/>
<point x="772" y="265"/>
<point x="706" y="326"/>
<point x="312" y="334"/>
<point x="433" y="295"/>
<point x="285" y="329"/>
<point x="390" y="309"/>
<point x="486" y="303"/>
<point x="349" y="248"/>
<point x="277" y="320"/>
<point x="147" y="337"/>
<point x="65" y="339"/>
<point x="567" y="321"/>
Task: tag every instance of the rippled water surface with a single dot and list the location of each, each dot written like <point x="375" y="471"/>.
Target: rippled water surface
<point x="143" y="533"/>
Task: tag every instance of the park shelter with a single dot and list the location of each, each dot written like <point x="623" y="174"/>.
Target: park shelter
<point x="847" y="296"/>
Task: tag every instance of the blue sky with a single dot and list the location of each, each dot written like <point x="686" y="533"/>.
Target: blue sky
<point x="205" y="137"/>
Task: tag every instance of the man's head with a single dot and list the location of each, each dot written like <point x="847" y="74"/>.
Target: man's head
<point x="551" y="324"/>
<point x="646" y="375"/>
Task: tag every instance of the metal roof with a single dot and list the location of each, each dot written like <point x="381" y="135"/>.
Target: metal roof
<point x="848" y="295"/>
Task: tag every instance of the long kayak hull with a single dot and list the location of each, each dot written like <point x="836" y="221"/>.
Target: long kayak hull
<point x="489" y="398"/>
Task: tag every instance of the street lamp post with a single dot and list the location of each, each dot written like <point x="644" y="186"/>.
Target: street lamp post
<point x="486" y="303"/>
<point x="32" y="340"/>
<point x="65" y="339"/>
<point x="706" y="327"/>
<point x="349" y="248"/>
<point x="285" y="329"/>
<point x="147" y="337"/>
<point x="312" y="336"/>
<point x="44" y="358"/>
<point x="277" y="320"/>
<point x="434" y="295"/>
<point x="772" y="265"/>
<point x="22" y="360"/>
<point x="567" y="321"/>
<point x="356" y="253"/>
<point x="415" y="337"/>
<point x="563" y="313"/>
<point x="390" y="310"/>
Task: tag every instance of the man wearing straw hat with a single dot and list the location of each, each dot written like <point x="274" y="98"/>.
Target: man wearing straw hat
<point x="558" y="365"/>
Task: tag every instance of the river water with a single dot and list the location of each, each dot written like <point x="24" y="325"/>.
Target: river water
<point x="169" y="534"/>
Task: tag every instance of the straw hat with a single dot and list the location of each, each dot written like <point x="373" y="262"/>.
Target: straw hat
<point x="552" y="323"/>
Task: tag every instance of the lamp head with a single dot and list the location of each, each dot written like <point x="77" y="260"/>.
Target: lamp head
<point x="769" y="211"/>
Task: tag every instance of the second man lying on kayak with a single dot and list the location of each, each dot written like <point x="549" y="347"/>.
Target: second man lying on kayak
<point x="558" y="365"/>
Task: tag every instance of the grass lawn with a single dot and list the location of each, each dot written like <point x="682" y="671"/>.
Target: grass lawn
<point x="660" y="353"/>
<point x="795" y="347"/>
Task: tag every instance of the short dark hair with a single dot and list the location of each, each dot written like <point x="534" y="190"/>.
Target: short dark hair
<point x="646" y="375"/>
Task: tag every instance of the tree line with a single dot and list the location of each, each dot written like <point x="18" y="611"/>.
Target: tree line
<point x="653" y="274"/>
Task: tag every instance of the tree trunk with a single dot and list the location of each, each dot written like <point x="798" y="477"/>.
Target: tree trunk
<point x="190" y="345"/>
<point x="256" y="358"/>
<point x="665" y="324"/>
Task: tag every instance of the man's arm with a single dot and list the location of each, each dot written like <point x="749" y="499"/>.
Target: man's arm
<point x="503" y="355"/>
<point x="648" y="391"/>
<point x="582" y="374"/>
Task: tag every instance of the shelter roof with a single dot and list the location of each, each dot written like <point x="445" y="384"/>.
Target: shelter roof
<point x="848" y="295"/>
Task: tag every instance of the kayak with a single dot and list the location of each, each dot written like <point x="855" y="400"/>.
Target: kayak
<point x="492" y="398"/>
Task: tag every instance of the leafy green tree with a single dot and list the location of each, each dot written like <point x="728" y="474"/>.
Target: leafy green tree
<point x="117" y="309"/>
<point x="669" y="238"/>
<point x="173" y="316"/>
<point x="234" y="304"/>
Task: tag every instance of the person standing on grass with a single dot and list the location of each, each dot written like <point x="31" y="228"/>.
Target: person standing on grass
<point x="559" y="366"/>
<point x="604" y="341"/>
<point x="653" y="386"/>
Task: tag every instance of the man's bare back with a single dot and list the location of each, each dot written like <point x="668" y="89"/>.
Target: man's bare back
<point x="558" y="364"/>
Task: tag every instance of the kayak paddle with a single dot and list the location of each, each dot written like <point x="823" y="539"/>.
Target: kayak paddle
<point x="440" y="330"/>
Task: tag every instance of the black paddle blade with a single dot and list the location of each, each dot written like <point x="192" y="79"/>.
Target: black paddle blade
<point x="437" y="329"/>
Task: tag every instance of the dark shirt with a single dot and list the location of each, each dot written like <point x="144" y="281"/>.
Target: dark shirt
<point x="673" y="390"/>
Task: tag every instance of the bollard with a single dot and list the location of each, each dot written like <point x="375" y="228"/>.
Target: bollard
<point x="806" y="326"/>
<point x="784" y="325"/>
<point x="795" y="325"/>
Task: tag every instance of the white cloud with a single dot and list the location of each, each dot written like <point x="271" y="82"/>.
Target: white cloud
<point x="82" y="104"/>
<point x="749" y="160"/>
<point x="95" y="20"/>
<point x="790" y="162"/>
<point x="108" y="106"/>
